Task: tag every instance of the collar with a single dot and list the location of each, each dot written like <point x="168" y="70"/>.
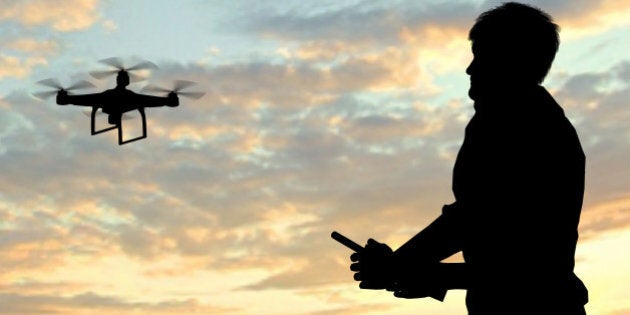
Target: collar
<point x="514" y="99"/>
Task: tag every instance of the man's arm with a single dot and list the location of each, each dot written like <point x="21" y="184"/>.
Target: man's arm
<point x="414" y="270"/>
<point x="376" y="269"/>
<point x="420" y="272"/>
<point x="438" y="241"/>
<point x="432" y="281"/>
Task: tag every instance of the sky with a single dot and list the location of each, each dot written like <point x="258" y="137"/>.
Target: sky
<point x="318" y="116"/>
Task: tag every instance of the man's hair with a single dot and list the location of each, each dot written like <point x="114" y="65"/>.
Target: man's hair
<point x="526" y="33"/>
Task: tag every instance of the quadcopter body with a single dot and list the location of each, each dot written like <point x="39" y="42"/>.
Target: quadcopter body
<point x="119" y="100"/>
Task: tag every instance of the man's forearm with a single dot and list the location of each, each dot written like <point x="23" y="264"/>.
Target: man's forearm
<point x="432" y="280"/>
<point x="454" y="275"/>
<point x="439" y="240"/>
<point x="441" y="275"/>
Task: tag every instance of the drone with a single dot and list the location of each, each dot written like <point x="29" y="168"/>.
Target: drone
<point x="119" y="100"/>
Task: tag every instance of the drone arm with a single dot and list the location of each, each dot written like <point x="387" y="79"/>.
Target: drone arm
<point x="82" y="99"/>
<point x="156" y="101"/>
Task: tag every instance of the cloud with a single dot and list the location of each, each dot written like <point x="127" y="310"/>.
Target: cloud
<point x="583" y="88"/>
<point x="606" y="216"/>
<point x="358" y="309"/>
<point x="579" y="18"/>
<point x="342" y="131"/>
<point x="597" y="103"/>
<point x="620" y="312"/>
<point x="33" y="46"/>
<point x="31" y="286"/>
<point x="427" y="36"/>
<point x="65" y="16"/>
<point x="11" y="66"/>
<point x="14" y="304"/>
<point x="343" y="163"/>
<point x="298" y="84"/>
<point x="219" y="206"/>
<point x="373" y="24"/>
<point x="270" y="156"/>
<point x="371" y="46"/>
<point x="29" y="44"/>
<point x="316" y="273"/>
<point x="110" y="26"/>
<point x="361" y="22"/>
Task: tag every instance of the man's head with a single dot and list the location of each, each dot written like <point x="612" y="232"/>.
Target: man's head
<point x="513" y="45"/>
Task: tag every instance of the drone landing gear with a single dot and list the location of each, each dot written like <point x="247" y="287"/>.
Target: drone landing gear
<point x="93" y="123"/>
<point x="118" y="125"/>
<point x="144" y="129"/>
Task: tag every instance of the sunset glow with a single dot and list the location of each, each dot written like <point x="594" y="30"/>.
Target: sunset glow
<point x="318" y="116"/>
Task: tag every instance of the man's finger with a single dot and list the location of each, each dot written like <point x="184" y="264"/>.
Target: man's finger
<point x="370" y="285"/>
<point x="355" y="257"/>
<point x="371" y="241"/>
<point x="357" y="276"/>
<point x="355" y="267"/>
<point x="394" y="286"/>
<point x="411" y="294"/>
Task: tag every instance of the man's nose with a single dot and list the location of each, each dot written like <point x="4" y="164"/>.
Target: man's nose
<point x="469" y="70"/>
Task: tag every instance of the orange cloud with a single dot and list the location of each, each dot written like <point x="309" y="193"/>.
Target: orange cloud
<point x="11" y="66"/>
<point x="606" y="14"/>
<point x="33" y="46"/>
<point x="607" y="215"/>
<point x="65" y="16"/>
<point x="90" y="303"/>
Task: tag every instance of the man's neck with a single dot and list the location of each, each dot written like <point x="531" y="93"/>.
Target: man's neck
<point x="504" y="97"/>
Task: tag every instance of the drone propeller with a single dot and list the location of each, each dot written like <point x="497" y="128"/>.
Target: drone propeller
<point x="115" y="62"/>
<point x="56" y="85"/>
<point x="178" y="86"/>
<point x="118" y="66"/>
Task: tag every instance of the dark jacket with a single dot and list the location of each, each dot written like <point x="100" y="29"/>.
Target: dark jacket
<point x="518" y="183"/>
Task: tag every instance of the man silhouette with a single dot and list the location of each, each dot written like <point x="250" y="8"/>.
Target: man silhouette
<point x="518" y="183"/>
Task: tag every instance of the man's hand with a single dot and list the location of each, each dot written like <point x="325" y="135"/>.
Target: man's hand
<point x="373" y="266"/>
<point x="411" y="290"/>
<point x="427" y="280"/>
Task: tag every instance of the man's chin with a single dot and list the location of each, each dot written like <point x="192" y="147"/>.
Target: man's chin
<point x="472" y="94"/>
<point x="477" y="93"/>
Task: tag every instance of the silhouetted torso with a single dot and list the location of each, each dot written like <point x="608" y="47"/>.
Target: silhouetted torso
<point x="518" y="182"/>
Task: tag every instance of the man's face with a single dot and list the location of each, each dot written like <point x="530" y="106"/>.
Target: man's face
<point x="480" y="72"/>
<point x="473" y="72"/>
<point x="492" y="70"/>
